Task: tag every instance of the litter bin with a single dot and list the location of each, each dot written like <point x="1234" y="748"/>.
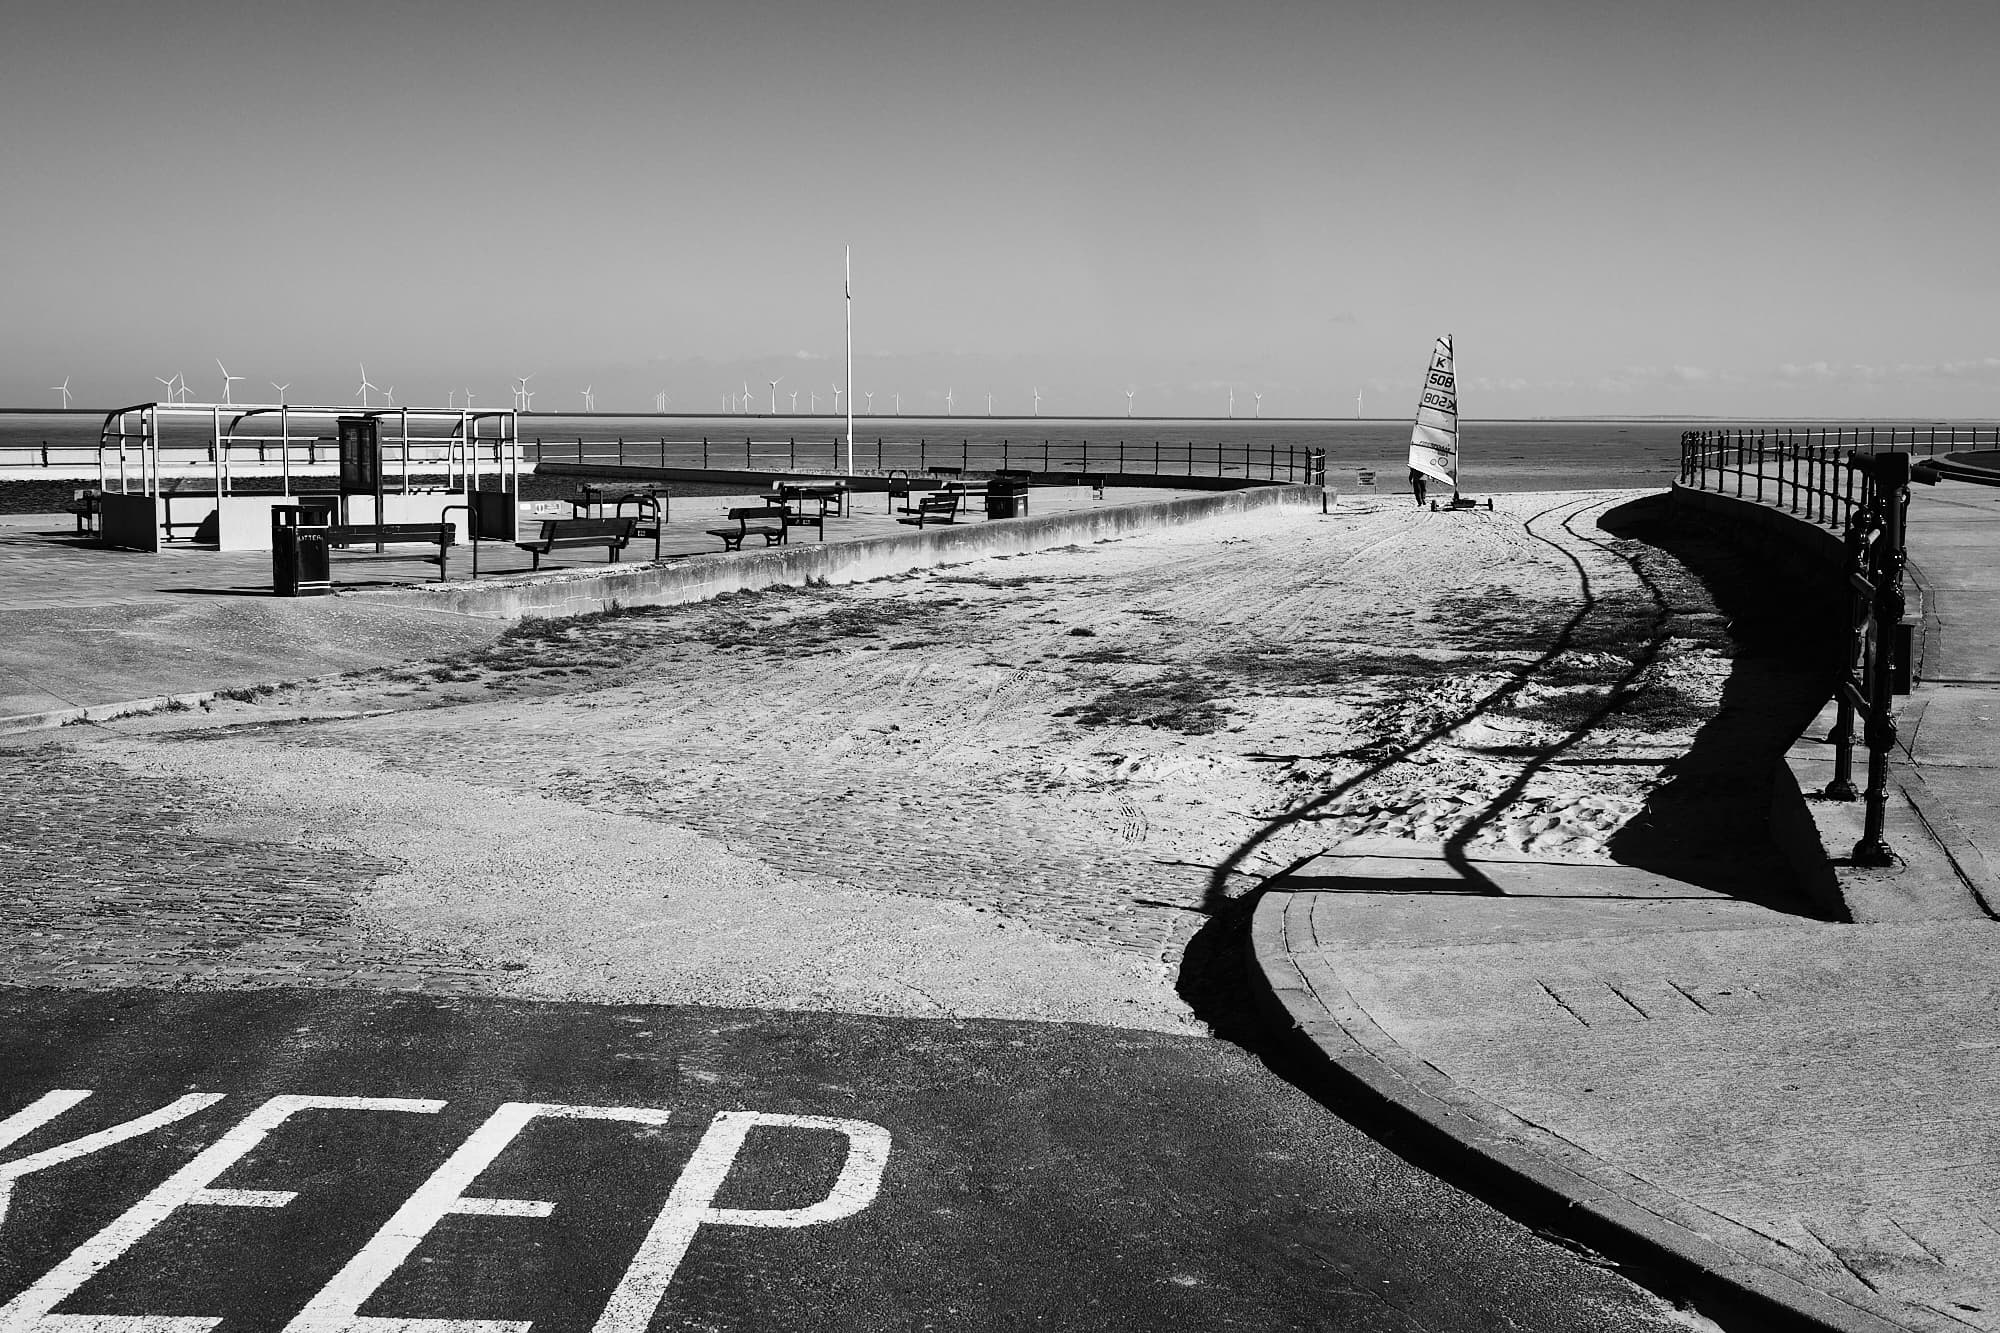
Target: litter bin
<point x="299" y="563"/>
<point x="1006" y="495"/>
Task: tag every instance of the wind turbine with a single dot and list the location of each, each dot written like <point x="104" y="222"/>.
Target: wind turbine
<point x="774" y="395"/>
<point x="450" y="398"/>
<point x="870" y="396"/>
<point x="989" y="404"/>
<point x="528" y="398"/>
<point x="745" y="409"/>
<point x="947" y="402"/>
<point x="1038" y="402"/>
<point x="521" y="394"/>
<point x="1260" y="403"/>
<point x="170" y="386"/>
<point x="1128" y="401"/>
<point x="63" y="389"/>
<point x="389" y="395"/>
<point x="1357" y="404"/>
<point x="1232" y="402"/>
<point x="365" y="385"/>
<point x="589" y="403"/>
<point x="468" y="400"/>
<point x="280" y="388"/>
<point x="227" y="380"/>
<point x="795" y="402"/>
<point x="660" y="401"/>
<point x="899" y="402"/>
<point x="836" y="399"/>
<point x="815" y="402"/>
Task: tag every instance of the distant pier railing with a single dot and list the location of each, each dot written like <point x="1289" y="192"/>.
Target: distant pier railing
<point x="751" y="453"/>
<point x="746" y="453"/>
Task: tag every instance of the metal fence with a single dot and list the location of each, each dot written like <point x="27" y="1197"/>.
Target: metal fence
<point x="1803" y="470"/>
<point x="1178" y="458"/>
<point x="748" y="453"/>
<point x="1856" y="479"/>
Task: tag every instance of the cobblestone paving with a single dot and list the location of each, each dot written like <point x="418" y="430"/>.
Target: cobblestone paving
<point x="119" y="878"/>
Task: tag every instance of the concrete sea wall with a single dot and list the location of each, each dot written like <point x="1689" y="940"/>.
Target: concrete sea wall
<point x="697" y="578"/>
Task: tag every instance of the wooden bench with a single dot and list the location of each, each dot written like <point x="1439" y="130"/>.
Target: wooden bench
<point x="87" y="505"/>
<point x="733" y="538"/>
<point x="936" y="507"/>
<point x="378" y="535"/>
<point x="614" y="534"/>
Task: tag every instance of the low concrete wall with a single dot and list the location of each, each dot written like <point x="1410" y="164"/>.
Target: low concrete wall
<point x="697" y="578"/>
<point x="1798" y="545"/>
<point x="1809" y="561"/>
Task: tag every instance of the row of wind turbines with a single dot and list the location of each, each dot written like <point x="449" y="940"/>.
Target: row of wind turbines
<point x="733" y="403"/>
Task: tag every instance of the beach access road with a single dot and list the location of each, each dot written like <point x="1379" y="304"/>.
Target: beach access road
<point x="935" y="870"/>
<point x="318" y="1161"/>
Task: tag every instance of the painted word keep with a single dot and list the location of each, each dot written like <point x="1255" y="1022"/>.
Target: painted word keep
<point x="335" y="1308"/>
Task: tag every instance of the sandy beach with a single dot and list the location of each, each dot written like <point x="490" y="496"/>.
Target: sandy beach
<point x="1016" y="787"/>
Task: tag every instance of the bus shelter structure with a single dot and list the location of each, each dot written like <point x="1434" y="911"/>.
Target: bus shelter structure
<point x="205" y="470"/>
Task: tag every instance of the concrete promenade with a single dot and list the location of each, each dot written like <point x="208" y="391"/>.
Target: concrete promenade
<point x="1694" y="1064"/>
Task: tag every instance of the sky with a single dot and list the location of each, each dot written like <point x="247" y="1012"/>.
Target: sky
<point x="1713" y="207"/>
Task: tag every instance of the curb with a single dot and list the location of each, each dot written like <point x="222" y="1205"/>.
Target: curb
<point x="1597" y="1202"/>
<point x="63" y="717"/>
<point x="54" y="718"/>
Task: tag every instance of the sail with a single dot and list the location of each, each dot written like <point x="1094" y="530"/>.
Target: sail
<point x="1434" y="441"/>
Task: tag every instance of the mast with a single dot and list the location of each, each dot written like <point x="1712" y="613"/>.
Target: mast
<point x="847" y="292"/>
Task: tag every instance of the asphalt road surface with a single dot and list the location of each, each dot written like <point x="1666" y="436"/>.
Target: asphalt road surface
<point x="313" y="1161"/>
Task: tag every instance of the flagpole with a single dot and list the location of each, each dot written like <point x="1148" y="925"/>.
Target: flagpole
<point x="847" y="290"/>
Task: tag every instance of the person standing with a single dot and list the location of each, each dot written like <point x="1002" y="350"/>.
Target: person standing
<point x="1417" y="483"/>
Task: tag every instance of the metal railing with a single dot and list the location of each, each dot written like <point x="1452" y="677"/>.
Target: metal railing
<point x="1856" y="479"/>
<point x="1179" y="458"/>
<point x="1803" y="469"/>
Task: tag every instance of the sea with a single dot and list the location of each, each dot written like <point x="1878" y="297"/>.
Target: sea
<point x="1494" y="456"/>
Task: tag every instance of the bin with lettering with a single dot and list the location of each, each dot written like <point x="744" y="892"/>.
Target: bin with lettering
<point x="300" y="565"/>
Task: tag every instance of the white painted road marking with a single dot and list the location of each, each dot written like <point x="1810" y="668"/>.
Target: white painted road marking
<point x="52" y="1104"/>
<point x="29" y="1312"/>
<point x="336" y="1308"/>
<point x="691" y="1205"/>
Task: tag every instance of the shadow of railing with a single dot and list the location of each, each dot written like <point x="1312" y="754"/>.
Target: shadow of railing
<point x="1706" y="825"/>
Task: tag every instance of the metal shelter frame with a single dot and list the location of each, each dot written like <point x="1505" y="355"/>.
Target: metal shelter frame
<point x="459" y="450"/>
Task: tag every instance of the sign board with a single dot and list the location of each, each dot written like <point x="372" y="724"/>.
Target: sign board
<point x="360" y="455"/>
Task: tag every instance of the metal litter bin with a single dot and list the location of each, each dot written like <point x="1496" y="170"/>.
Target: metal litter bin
<point x="300" y="565"/>
<point x="1006" y="496"/>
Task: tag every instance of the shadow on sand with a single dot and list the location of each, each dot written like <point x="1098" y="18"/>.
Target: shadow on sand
<point x="1706" y="825"/>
